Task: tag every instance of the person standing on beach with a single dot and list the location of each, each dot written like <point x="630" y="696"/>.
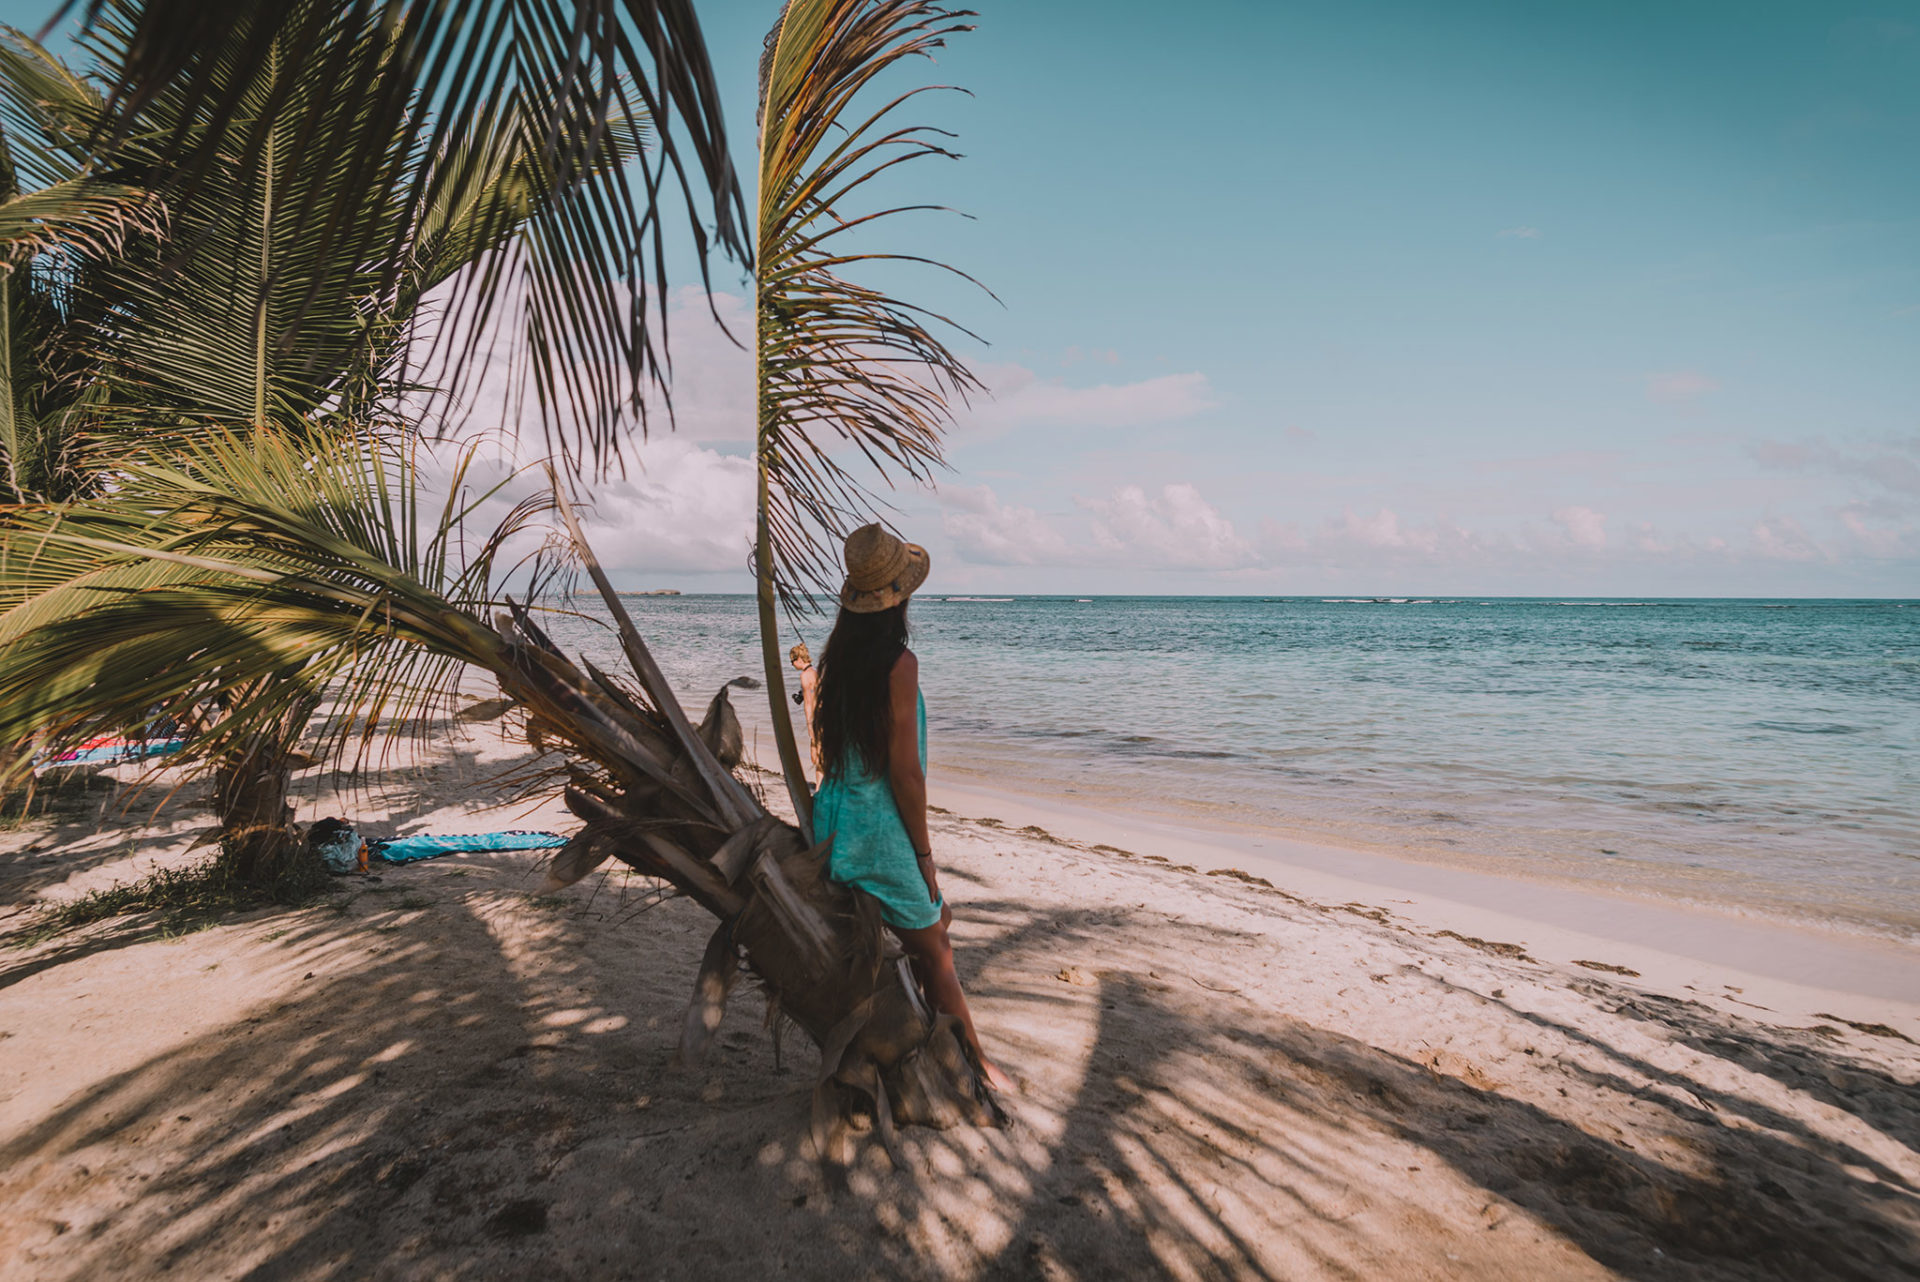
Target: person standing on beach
<point x="808" y="697"/>
<point x="870" y="725"/>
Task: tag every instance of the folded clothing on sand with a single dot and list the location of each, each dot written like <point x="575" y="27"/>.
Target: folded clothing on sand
<point x="402" y="850"/>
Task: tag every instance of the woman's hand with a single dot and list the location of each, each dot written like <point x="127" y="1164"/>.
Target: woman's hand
<point x="932" y="877"/>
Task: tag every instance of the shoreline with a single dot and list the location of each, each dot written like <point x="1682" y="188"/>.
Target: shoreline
<point x="1561" y="888"/>
<point x="1750" y="895"/>
<point x="1785" y="969"/>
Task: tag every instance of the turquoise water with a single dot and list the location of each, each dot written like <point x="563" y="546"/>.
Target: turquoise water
<point x="1752" y="754"/>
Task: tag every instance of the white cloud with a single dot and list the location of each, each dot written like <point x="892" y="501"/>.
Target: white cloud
<point x="1175" y="529"/>
<point x="1022" y="398"/>
<point x="1353" y="540"/>
<point x="1646" y="539"/>
<point x="1584" y="526"/>
<point x="1679" y="387"/>
<point x="1884" y="542"/>
<point x="681" y="508"/>
<point x="1381" y="530"/>
<point x="986" y="532"/>
<point x="1781" y="538"/>
<point x="712" y="376"/>
<point x="1891" y="465"/>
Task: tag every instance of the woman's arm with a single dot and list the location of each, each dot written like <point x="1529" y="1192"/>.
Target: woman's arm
<point x="903" y="762"/>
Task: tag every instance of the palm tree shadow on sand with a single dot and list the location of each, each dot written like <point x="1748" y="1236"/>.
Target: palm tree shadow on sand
<point x="99" y="820"/>
<point x="478" y="1083"/>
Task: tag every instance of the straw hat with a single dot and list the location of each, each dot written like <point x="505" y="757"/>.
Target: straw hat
<point x="882" y="571"/>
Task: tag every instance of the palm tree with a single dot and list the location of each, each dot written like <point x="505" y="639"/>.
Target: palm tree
<point x="268" y="543"/>
<point x="837" y="363"/>
<point x="42" y="439"/>
<point x="203" y="575"/>
<point x="263" y="325"/>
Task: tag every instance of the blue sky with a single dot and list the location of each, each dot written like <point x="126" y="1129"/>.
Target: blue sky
<point x="1394" y="298"/>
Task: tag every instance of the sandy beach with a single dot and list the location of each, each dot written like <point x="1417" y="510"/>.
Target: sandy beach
<point x="1237" y="1060"/>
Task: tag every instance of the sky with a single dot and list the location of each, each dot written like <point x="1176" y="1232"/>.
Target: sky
<point x="1384" y="299"/>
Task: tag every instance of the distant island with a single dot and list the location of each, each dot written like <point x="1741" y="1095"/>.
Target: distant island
<point x="655" y="592"/>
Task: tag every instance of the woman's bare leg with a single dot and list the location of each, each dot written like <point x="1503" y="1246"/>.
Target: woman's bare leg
<point x="932" y="956"/>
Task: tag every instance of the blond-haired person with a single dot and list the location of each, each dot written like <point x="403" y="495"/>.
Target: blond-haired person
<point x="807" y="696"/>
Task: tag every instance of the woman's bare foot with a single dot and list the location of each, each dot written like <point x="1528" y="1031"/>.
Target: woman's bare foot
<point x="996" y="1080"/>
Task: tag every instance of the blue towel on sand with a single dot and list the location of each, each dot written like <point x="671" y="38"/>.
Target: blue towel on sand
<point x="403" y="850"/>
<point x="118" y="751"/>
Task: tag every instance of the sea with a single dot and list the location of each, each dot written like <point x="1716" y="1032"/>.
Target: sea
<point x="1754" y="756"/>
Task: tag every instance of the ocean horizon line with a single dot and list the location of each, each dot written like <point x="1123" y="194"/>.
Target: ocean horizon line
<point x="1323" y="598"/>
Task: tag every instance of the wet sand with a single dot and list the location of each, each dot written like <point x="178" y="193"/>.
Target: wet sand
<point x="1801" y="968"/>
<point x="1335" y="1075"/>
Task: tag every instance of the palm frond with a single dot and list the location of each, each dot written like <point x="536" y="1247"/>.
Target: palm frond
<point x="269" y="311"/>
<point x="93" y="216"/>
<point x="259" y="566"/>
<point x="43" y="435"/>
<point x="266" y="316"/>
<point x="236" y="586"/>
<point x="837" y="363"/>
<point x="47" y="112"/>
<point x="591" y="250"/>
<point x="841" y="363"/>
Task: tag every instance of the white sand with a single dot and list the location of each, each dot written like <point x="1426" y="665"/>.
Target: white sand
<point x="437" y="1075"/>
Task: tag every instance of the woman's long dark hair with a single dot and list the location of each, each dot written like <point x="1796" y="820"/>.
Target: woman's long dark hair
<point x="854" y="709"/>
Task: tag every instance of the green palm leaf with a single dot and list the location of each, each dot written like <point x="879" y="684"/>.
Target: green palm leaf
<point x="840" y="362"/>
<point x="840" y="365"/>
<point x="250" y="312"/>
<point x="237" y="586"/>
<point x="269" y="317"/>
<point x="55" y="215"/>
<point x="434" y="82"/>
<point x="79" y="213"/>
<point x="250" y="571"/>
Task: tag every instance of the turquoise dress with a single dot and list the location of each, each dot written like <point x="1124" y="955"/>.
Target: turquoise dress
<point x="871" y="848"/>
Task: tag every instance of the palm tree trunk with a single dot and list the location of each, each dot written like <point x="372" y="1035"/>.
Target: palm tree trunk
<point x="260" y="847"/>
<point x="774" y="666"/>
<point x="771" y="661"/>
<point x="641" y="782"/>
<point x="257" y="837"/>
<point x="816" y="946"/>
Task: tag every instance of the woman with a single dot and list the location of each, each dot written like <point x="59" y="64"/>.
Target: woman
<point x="872" y="735"/>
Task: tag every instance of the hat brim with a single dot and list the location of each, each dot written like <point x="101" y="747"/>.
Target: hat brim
<point x="886" y="597"/>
